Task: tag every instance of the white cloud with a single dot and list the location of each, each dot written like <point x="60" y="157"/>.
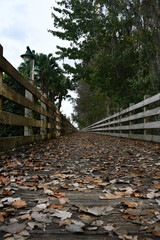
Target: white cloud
<point x="26" y="23"/>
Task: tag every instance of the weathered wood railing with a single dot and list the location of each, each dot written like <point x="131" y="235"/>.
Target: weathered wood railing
<point x="139" y="121"/>
<point x="51" y="122"/>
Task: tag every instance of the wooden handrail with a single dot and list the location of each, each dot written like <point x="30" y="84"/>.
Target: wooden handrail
<point x="128" y="123"/>
<point x="52" y="121"/>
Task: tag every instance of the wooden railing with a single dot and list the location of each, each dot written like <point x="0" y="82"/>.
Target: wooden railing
<point x="139" y="121"/>
<point x="51" y="122"/>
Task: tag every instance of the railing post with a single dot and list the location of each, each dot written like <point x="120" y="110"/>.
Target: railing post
<point x="43" y="131"/>
<point x="146" y="119"/>
<point x="120" y="123"/>
<point x="130" y="122"/>
<point x="52" y="122"/>
<point x="58" y="123"/>
<point x="1" y="77"/>
<point x="28" y="131"/>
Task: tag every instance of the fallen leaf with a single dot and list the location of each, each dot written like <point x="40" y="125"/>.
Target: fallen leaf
<point x="35" y="177"/>
<point x="74" y="228"/>
<point x="110" y="196"/>
<point x="44" y="186"/>
<point x="62" y="214"/>
<point x="133" y="212"/>
<point x="156" y="186"/>
<point x="28" y="184"/>
<point x="127" y="216"/>
<point x="92" y="228"/>
<point x="65" y="222"/>
<point x="48" y="192"/>
<point x="3" y="179"/>
<point x="9" y="200"/>
<point x="150" y="195"/>
<point x="7" y="193"/>
<point x="130" y="204"/>
<point x="3" y="215"/>
<point x="54" y="206"/>
<point x="63" y="200"/>
<point x="19" y="204"/>
<point x="25" y="216"/>
<point x="32" y="225"/>
<point x="40" y="217"/>
<point x="97" y="211"/>
<point x="108" y="227"/>
<point x="59" y="194"/>
<point x="86" y="218"/>
<point x="157" y="233"/>
<point x="97" y="223"/>
<point x="158" y="201"/>
<point x="13" y="228"/>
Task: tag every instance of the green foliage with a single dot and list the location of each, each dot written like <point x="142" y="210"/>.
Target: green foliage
<point x="89" y="106"/>
<point x="117" y="44"/>
<point x="12" y="107"/>
<point x="52" y="80"/>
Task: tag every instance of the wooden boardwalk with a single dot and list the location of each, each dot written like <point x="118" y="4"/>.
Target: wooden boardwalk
<point x="81" y="186"/>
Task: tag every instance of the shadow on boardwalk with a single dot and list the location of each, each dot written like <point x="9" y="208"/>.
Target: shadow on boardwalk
<point x="81" y="186"/>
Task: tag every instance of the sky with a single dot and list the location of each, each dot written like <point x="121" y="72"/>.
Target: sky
<point x="26" y="23"/>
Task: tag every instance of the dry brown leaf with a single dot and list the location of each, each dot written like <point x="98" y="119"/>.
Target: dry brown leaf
<point x="110" y="196"/>
<point x="28" y="184"/>
<point x="56" y="173"/>
<point x="19" y="204"/>
<point x="35" y="177"/>
<point x="65" y="222"/>
<point x="85" y="218"/>
<point x="63" y="200"/>
<point x="54" y="206"/>
<point x="130" y="204"/>
<point x="25" y="216"/>
<point x="7" y="193"/>
<point x="48" y="192"/>
<point x="133" y="212"/>
<point x="59" y="194"/>
<point x="156" y="186"/>
<point x="3" y="179"/>
<point x="137" y="194"/>
<point x="1" y="218"/>
<point x="157" y="233"/>
<point x="127" y="216"/>
<point x="44" y="186"/>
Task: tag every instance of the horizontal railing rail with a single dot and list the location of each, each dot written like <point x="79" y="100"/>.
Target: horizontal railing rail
<point x="51" y="122"/>
<point x="139" y="121"/>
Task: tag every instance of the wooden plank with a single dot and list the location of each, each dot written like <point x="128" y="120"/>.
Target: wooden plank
<point x="12" y="95"/>
<point x="148" y="125"/>
<point x="13" y="119"/>
<point x="143" y="103"/>
<point x="148" y="113"/>
<point x="152" y="138"/>
<point x="12" y="142"/>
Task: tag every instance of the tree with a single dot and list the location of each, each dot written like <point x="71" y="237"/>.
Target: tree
<point x="51" y="81"/>
<point x="116" y="43"/>
<point x="89" y="106"/>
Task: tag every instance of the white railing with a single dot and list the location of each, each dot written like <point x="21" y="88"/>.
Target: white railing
<point x="139" y="121"/>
